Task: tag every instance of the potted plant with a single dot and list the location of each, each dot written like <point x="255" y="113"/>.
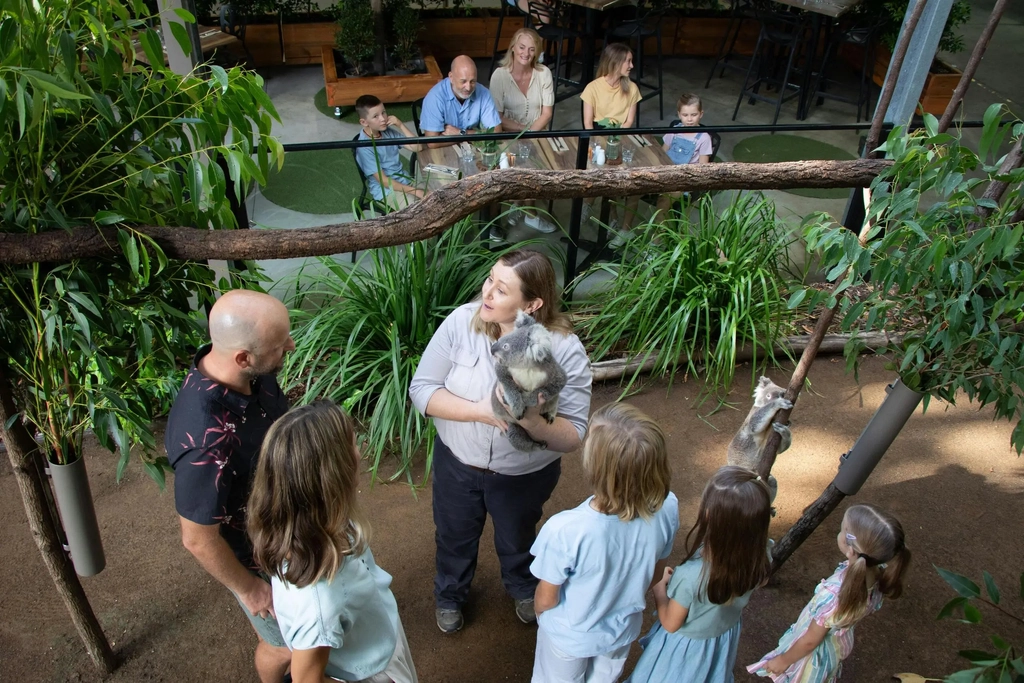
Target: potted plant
<point x="613" y="148"/>
<point x="355" y="36"/>
<point x="403" y="34"/>
<point x="490" y="151"/>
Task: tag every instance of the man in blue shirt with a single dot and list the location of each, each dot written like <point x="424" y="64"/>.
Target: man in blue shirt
<point x="457" y="105"/>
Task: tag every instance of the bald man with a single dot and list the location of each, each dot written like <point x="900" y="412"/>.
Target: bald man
<point x="216" y="427"/>
<point x="457" y="105"/>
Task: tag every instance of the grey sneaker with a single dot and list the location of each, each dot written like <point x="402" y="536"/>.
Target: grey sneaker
<point x="450" y="620"/>
<point x="524" y="610"/>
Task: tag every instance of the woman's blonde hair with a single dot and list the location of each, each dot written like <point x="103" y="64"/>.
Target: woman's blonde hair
<point x="626" y="462"/>
<point x="613" y="57"/>
<point x="506" y="61"/>
<point x="303" y="509"/>
<point x="536" y="281"/>
<point x="731" y="533"/>
<point x="882" y="558"/>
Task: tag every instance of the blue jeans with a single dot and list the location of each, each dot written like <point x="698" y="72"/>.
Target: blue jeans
<point x="463" y="497"/>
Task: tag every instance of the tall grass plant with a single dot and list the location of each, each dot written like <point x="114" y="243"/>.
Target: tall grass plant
<point x="361" y="330"/>
<point x="691" y="289"/>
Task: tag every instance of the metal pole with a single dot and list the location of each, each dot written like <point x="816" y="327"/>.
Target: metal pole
<point x="178" y="60"/>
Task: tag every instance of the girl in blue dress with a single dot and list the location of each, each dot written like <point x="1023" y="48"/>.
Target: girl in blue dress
<point x="700" y="602"/>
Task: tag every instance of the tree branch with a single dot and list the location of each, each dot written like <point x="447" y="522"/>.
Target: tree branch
<point x="972" y="65"/>
<point x="439" y="210"/>
<point x="996" y="188"/>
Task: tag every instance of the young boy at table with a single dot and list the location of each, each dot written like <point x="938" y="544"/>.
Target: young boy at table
<point x="382" y="166"/>
<point x="686" y="148"/>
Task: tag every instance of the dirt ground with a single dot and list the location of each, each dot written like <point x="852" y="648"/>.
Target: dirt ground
<point x="951" y="477"/>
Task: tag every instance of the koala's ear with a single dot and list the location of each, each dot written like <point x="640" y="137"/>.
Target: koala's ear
<point x="763" y="381"/>
<point x="523" y="318"/>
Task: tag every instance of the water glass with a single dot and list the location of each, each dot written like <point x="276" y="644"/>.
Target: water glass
<point x="524" y="151"/>
<point x="627" y="156"/>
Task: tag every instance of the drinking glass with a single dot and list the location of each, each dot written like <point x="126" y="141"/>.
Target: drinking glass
<point x="627" y="156"/>
<point x="524" y="151"/>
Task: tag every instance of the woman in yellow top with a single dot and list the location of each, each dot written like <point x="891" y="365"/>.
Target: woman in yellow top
<point x="614" y="97"/>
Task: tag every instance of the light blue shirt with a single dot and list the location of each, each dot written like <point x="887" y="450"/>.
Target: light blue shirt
<point x="604" y="567"/>
<point x="390" y="162"/>
<point x="354" y="614"/>
<point x="704" y="619"/>
<point x="441" y="108"/>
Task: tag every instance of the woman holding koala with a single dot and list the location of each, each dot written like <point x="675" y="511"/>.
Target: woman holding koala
<point x="476" y="470"/>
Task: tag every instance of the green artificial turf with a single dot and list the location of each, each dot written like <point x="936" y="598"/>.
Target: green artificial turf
<point x="762" y="149"/>
<point x="319" y="181"/>
<point x="402" y="111"/>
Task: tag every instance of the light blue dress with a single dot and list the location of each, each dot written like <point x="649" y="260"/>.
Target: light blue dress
<point x="703" y="650"/>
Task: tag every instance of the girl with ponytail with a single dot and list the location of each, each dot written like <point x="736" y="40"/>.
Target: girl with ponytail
<point x="813" y="649"/>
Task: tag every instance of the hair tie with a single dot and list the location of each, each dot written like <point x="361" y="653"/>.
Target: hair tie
<point x="758" y="478"/>
<point x="871" y="562"/>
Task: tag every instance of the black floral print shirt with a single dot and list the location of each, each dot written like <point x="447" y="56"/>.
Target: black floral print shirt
<point x="213" y="439"/>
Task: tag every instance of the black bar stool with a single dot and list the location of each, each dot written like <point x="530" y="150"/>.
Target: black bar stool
<point x="858" y="34"/>
<point x="506" y="9"/>
<point x="739" y="12"/>
<point x="645" y="24"/>
<point x="555" y="32"/>
<point x="782" y="34"/>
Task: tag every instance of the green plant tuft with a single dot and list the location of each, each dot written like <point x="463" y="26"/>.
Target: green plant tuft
<point x="694" y="292"/>
<point x="361" y="329"/>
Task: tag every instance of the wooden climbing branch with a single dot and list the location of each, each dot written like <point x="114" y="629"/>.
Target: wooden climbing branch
<point x="972" y="65"/>
<point x="996" y="188"/>
<point x="439" y="210"/>
<point x="895" y="66"/>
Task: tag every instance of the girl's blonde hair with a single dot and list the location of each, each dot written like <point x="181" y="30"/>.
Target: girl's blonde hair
<point x="613" y="57"/>
<point x="882" y="558"/>
<point x="626" y="462"/>
<point x="303" y="509"/>
<point x="537" y="281"/>
<point x="731" y="533"/>
<point x="506" y="61"/>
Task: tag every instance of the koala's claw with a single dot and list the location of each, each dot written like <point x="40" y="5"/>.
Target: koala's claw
<point x="550" y="419"/>
<point x="785" y="403"/>
<point x="780" y="428"/>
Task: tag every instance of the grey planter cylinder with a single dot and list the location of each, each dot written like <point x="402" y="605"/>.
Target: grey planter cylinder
<point x="885" y="425"/>
<point x="74" y="499"/>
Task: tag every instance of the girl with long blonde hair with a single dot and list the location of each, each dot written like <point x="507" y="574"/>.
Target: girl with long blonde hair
<point x="334" y="604"/>
<point x="813" y="649"/>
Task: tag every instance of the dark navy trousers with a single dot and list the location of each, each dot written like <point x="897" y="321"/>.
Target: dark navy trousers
<point x="463" y="497"/>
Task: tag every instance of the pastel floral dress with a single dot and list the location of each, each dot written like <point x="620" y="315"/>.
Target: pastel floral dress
<point x="825" y="663"/>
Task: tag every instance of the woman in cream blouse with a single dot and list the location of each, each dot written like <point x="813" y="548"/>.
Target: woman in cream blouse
<point x="524" y="94"/>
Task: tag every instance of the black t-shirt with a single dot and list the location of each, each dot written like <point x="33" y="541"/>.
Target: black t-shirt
<point x="213" y="439"/>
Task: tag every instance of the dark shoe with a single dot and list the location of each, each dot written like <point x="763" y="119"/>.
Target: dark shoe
<point x="450" y="620"/>
<point x="525" y="612"/>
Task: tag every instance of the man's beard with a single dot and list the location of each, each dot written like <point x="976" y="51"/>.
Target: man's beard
<point x="254" y="371"/>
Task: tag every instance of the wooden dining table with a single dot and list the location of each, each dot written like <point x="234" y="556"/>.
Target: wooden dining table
<point x="440" y="166"/>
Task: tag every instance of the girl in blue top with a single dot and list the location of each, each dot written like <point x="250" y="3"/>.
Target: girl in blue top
<point x="334" y="604"/>
<point x="701" y="601"/>
<point x="595" y="562"/>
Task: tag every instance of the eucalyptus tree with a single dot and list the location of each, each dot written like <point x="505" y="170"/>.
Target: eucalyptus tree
<point x="89" y="136"/>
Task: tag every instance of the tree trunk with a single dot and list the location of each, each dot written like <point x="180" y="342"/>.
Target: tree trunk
<point x="379" y="57"/>
<point x="24" y="454"/>
<point x="440" y="210"/>
<point x="813" y="516"/>
<point x="972" y="65"/>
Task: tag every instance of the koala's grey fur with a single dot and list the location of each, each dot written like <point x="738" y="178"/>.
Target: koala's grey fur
<point x="526" y="370"/>
<point x="745" y="447"/>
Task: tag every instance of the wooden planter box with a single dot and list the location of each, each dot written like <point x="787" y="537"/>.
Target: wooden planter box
<point x="343" y="91"/>
<point x="702" y="36"/>
<point x="938" y="86"/>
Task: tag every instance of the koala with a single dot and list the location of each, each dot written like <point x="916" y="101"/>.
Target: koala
<point x="745" y="447"/>
<point x="526" y="371"/>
